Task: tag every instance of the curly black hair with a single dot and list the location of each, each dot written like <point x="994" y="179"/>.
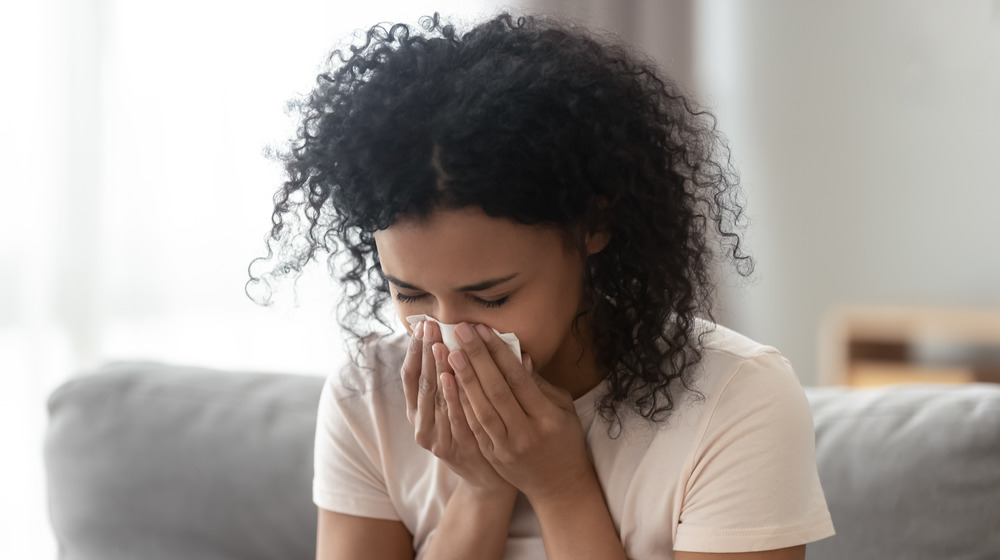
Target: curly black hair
<point x="539" y="122"/>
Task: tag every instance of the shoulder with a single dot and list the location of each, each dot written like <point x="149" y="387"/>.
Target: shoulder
<point x="717" y="339"/>
<point x="362" y="403"/>
<point x="752" y="394"/>
<point x="745" y="388"/>
<point x="361" y="418"/>
<point x="371" y="369"/>
<point x="729" y="358"/>
<point x="750" y="476"/>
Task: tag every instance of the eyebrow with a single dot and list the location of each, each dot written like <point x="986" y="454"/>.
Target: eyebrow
<point x="477" y="287"/>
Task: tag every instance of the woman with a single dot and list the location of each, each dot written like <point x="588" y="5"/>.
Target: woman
<point x="529" y="178"/>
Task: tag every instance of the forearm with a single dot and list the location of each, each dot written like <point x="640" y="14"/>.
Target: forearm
<point x="473" y="526"/>
<point x="578" y="526"/>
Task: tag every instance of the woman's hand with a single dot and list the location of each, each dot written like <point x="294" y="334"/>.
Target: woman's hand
<point x="439" y="421"/>
<point x="527" y="428"/>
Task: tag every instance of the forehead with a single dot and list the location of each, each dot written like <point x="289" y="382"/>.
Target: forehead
<point x="462" y="246"/>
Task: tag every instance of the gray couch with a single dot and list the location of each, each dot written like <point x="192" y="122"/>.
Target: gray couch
<point x="154" y="462"/>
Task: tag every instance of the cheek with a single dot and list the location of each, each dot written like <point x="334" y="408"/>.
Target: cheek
<point x="540" y="343"/>
<point x="544" y="326"/>
<point x="402" y="313"/>
<point x="408" y="309"/>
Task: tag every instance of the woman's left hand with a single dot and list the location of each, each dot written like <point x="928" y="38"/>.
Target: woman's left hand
<point x="527" y="428"/>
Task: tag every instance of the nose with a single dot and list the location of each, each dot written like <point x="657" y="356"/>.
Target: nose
<point x="450" y="318"/>
<point x="452" y="314"/>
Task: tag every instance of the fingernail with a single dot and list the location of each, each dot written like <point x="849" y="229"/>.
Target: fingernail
<point x="457" y="360"/>
<point x="464" y="333"/>
<point x="418" y="331"/>
<point x="484" y="332"/>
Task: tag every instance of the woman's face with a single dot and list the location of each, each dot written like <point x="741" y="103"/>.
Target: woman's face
<point x="464" y="266"/>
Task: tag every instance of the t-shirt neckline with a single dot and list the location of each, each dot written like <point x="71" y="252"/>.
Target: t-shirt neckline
<point x="586" y="404"/>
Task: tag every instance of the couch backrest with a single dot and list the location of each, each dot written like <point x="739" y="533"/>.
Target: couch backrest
<point x="153" y="462"/>
<point x="156" y="462"/>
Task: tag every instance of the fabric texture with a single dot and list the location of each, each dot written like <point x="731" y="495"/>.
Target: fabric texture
<point x="155" y="462"/>
<point x="910" y="471"/>
<point x="732" y="469"/>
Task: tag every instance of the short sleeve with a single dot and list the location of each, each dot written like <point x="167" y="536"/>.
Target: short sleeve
<point x="753" y="482"/>
<point x="347" y="477"/>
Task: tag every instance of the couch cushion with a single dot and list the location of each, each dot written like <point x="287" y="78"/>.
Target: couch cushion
<point x="910" y="471"/>
<point x="152" y="462"/>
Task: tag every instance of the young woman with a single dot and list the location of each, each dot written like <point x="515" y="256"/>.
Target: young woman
<point x="529" y="178"/>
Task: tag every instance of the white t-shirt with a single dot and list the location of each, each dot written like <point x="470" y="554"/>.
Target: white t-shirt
<point x="734" y="471"/>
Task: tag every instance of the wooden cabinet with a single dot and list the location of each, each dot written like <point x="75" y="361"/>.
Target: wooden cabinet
<point x="870" y="345"/>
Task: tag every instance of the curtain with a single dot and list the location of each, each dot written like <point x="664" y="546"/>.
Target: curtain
<point x="136" y="193"/>
<point x="662" y="29"/>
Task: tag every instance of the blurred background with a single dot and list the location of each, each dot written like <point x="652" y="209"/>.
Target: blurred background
<point x="136" y="191"/>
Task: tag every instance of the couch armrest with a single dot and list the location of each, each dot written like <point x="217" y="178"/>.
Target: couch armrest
<point x="158" y="462"/>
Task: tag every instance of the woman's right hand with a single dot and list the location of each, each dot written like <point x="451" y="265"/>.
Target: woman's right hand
<point x="434" y="409"/>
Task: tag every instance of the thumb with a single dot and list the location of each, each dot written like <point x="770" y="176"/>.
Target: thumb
<point x="552" y="392"/>
<point x="530" y="367"/>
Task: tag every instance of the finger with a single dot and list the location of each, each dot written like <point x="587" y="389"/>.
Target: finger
<point x="441" y="422"/>
<point x="482" y="438"/>
<point x="427" y="388"/>
<point x="481" y="407"/>
<point x="410" y="372"/>
<point x="441" y="364"/>
<point x="492" y="366"/>
<point x="559" y="397"/>
<point x="461" y="433"/>
<point x="519" y="375"/>
<point x="442" y="428"/>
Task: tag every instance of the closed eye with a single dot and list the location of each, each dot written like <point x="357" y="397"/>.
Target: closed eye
<point x="494" y="303"/>
<point x="487" y="303"/>
<point x="402" y="298"/>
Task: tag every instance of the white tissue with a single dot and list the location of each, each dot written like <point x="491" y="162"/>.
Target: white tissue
<point x="448" y="335"/>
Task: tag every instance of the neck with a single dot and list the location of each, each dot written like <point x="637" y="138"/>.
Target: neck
<point x="574" y="367"/>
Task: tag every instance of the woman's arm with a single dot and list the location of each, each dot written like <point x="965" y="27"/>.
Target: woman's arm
<point x="473" y="526"/>
<point x="349" y="537"/>
<point x="578" y="525"/>
<point x="791" y="553"/>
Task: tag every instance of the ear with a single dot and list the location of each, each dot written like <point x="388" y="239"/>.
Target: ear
<point x="599" y="235"/>
<point x="596" y="241"/>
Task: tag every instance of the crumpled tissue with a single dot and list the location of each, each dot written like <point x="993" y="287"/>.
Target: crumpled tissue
<point x="448" y="334"/>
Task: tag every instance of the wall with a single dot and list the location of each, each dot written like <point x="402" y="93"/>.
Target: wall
<point x="868" y="134"/>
